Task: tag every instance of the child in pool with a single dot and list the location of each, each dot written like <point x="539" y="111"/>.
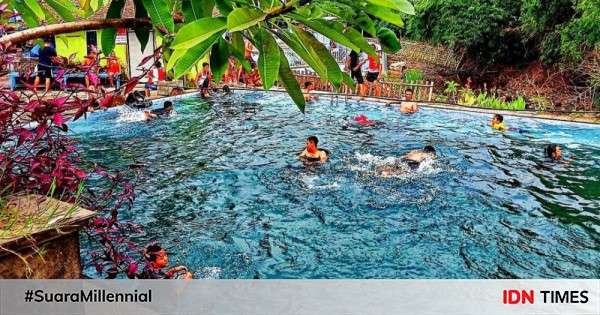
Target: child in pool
<point x="156" y="260"/>
<point x="312" y="153"/>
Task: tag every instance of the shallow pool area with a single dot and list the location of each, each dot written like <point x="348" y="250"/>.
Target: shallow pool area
<point x="222" y="189"/>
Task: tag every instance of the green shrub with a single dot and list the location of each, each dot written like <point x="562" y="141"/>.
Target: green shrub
<point x="413" y="75"/>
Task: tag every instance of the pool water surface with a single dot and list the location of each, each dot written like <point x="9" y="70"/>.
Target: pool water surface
<point x="223" y="190"/>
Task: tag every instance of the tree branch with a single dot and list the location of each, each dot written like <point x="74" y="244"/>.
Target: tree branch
<point x="97" y="24"/>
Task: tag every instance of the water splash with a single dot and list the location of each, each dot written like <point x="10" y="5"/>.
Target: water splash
<point x="127" y="114"/>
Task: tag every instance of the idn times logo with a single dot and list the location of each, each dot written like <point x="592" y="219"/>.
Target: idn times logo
<point x="513" y="296"/>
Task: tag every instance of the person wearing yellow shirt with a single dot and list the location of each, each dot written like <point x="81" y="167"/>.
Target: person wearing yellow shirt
<point x="498" y="123"/>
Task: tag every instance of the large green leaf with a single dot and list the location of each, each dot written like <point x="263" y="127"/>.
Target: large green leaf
<point x="175" y="56"/>
<point x="334" y="73"/>
<point x="160" y="14"/>
<point x="141" y="32"/>
<point x="388" y="40"/>
<point x="237" y="50"/>
<point x="35" y="7"/>
<point x="358" y="40"/>
<point x="26" y="14"/>
<point x="224" y="7"/>
<point x="400" y="5"/>
<point x="194" y="54"/>
<point x="219" y="59"/>
<point x="198" y="31"/>
<point x="328" y="29"/>
<point x="365" y="23"/>
<point x="242" y="18"/>
<point x="303" y="51"/>
<point x="289" y="82"/>
<point x="108" y="35"/>
<point x="195" y="9"/>
<point x="385" y="14"/>
<point x="347" y="79"/>
<point x="65" y="8"/>
<point x="268" y="60"/>
<point x="267" y="4"/>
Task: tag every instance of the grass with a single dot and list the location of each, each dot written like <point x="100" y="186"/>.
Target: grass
<point x="23" y="215"/>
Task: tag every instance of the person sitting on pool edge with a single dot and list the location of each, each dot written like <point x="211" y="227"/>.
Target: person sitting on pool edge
<point x="312" y="153"/>
<point x="155" y="113"/>
<point x="156" y="261"/>
<point x="408" y="106"/>
<point x="553" y="152"/>
<point x="308" y="87"/>
<point x="498" y="122"/>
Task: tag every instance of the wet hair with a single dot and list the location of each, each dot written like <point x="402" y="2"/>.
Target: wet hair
<point x="550" y="150"/>
<point x="167" y="104"/>
<point x="204" y="64"/>
<point x="152" y="252"/>
<point x="226" y="89"/>
<point x="158" y="64"/>
<point x="429" y="149"/>
<point x="499" y="117"/>
<point x="409" y="90"/>
<point x="313" y="139"/>
<point x="307" y="84"/>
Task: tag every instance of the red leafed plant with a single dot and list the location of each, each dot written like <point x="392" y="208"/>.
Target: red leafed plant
<point x="37" y="156"/>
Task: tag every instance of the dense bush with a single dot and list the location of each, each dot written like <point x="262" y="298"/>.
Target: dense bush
<point x="509" y="31"/>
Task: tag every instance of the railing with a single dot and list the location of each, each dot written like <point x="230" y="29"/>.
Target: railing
<point x="422" y="90"/>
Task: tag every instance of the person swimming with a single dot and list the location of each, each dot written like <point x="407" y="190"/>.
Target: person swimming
<point x="363" y="120"/>
<point x="155" y="113"/>
<point x="498" y="123"/>
<point x="553" y="152"/>
<point x="409" y="161"/>
<point x="312" y="153"/>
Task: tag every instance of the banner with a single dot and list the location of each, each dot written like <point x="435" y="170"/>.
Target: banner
<point x="300" y="297"/>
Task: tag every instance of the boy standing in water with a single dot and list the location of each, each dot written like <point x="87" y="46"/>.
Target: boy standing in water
<point x="312" y="153"/>
<point x="407" y="106"/>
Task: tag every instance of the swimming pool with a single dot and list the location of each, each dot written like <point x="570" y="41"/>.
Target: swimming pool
<point x="223" y="191"/>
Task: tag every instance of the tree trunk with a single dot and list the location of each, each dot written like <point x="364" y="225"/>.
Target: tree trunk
<point x="70" y="27"/>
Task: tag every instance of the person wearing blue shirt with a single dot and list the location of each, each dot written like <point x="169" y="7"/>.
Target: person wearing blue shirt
<point x="44" y="68"/>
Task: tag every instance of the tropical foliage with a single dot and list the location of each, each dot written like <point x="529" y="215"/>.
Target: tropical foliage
<point x="491" y="101"/>
<point x="219" y="27"/>
<point x="509" y="31"/>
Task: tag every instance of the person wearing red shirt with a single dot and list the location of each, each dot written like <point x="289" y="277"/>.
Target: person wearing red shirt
<point x="155" y="75"/>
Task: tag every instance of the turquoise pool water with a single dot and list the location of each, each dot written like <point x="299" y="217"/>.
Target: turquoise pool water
<point x="223" y="190"/>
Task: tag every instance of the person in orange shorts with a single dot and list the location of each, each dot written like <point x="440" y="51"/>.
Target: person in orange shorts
<point x="113" y="68"/>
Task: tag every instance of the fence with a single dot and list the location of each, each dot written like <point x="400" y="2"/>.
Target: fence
<point x="422" y="90"/>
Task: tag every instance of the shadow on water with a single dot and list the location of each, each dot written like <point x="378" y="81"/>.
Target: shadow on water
<point x="223" y="189"/>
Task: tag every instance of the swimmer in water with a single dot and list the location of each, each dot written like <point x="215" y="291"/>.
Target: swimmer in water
<point x="156" y="260"/>
<point x="308" y="87"/>
<point x="363" y="120"/>
<point x="408" y="106"/>
<point x="410" y="161"/>
<point x="498" y="123"/>
<point x="553" y="152"/>
<point x="155" y="113"/>
<point x="312" y="153"/>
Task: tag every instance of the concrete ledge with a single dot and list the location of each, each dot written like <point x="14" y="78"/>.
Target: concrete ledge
<point x="41" y="239"/>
